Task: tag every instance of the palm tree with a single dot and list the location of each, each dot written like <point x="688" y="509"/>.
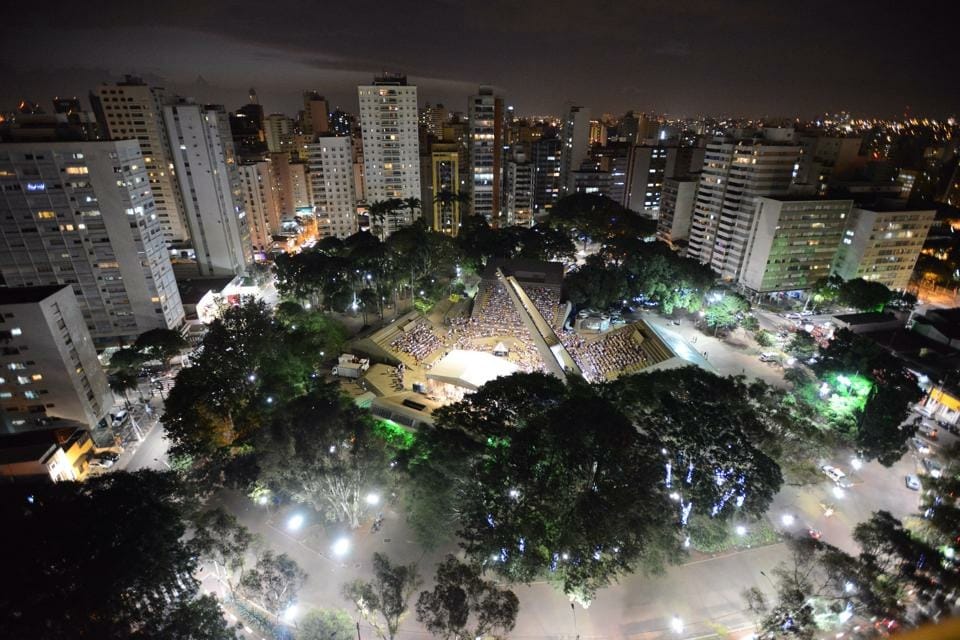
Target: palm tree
<point x="448" y="200"/>
<point x="377" y="211"/>
<point x="413" y="205"/>
<point x="122" y="382"/>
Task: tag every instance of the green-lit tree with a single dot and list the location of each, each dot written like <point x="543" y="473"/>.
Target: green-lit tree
<point x="160" y="344"/>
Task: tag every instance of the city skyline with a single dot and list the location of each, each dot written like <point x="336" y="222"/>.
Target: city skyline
<point x="683" y="58"/>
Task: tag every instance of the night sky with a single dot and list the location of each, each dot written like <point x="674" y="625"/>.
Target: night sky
<point x="738" y="57"/>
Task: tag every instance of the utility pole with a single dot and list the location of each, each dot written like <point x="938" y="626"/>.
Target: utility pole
<point x="573" y="610"/>
<point x="358" y="631"/>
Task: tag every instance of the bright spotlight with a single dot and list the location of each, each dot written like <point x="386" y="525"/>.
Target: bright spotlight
<point x="290" y="613"/>
<point x="838" y="492"/>
<point x="513" y="493"/>
<point x="372" y="499"/>
<point x="676" y="624"/>
<point x="295" y="523"/>
<point x="787" y="520"/>
<point x="849" y="587"/>
<point x="949" y="553"/>
<point x="741" y="530"/>
<point x="856" y="463"/>
<point x="341" y="546"/>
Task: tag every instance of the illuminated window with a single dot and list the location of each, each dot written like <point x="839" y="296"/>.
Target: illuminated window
<point x="46" y="215"/>
<point x="77" y="171"/>
<point x="16" y="331"/>
<point x="36" y="377"/>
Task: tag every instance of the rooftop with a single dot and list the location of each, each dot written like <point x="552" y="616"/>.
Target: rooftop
<point x="526" y="271"/>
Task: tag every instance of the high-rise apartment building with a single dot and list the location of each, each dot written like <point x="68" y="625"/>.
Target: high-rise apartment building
<point x="391" y="149"/>
<point x="735" y="174"/>
<point x="518" y="190"/>
<point x="547" y="167"/>
<point x="341" y="123"/>
<point x="433" y="117"/>
<point x="598" y="133"/>
<point x="793" y="243"/>
<point x="650" y="166"/>
<point x="48" y="362"/>
<point x="445" y="187"/>
<point x="882" y="243"/>
<point x="278" y="130"/>
<point x="211" y="187"/>
<point x="575" y="136"/>
<point x="246" y="125"/>
<point x="316" y="114"/>
<point x="330" y="166"/>
<point x="676" y="210"/>
<point x="82" y="213"/>
<point x="825" y="158"/>
<point x="261" y="203"/>
<point x="291" y="183"/>
<point x="132" y="110"/>
<point x="485" y="143"/>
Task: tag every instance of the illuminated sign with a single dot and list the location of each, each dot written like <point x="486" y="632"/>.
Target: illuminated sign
<point x="36" y="186"/>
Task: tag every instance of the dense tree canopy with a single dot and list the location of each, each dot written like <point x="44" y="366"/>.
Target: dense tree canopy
<point x="385" y="599"/>
<point x="103" y="559"/>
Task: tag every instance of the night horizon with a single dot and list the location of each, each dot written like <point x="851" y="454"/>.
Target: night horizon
<point x="684" y="59"/>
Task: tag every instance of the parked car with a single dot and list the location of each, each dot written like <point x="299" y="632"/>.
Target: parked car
<point x="932" y="467"/>
<point x="768" y="357"/>
<point x="833" y="473"/>
<point x="920" y="445"/>
<point x="109" y="455"/>
<point x="102" y="463"/>
<point x="913" y="482"/>
<point x="119" y="417"/>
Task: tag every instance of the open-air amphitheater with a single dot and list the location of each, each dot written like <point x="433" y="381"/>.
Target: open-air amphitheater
<point x="516" y="322"/>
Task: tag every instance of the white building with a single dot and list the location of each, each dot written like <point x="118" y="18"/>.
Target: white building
<point x="48" y="363"/>
<point x="278" y="131"/>
<point x="210" y="186"/>
<point x="485" y="153"/>
<point x="82" y="213"/>
<point x="793" y="243"/>
<point x="734" y="175"/>
<point x="330" y="166"/>
<point x="131" y="110"/>
<point x="260" y="202"/>
<point x="518" y="189"/>
<point x="391" y="146"/>
<point x="676" y="209"/>
<point x="575" y="138"/>
<point x="882" y="244"/>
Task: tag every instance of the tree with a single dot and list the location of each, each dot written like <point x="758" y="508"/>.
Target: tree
<point x="322" y="450"/>
<point x="160" y="344"/>
<point x="595" y="285"/>
<point x="383" y="602"/>
<point x="464" y="606"/>
<point x="325" y="624"/>
<point x="122" y="382"/>
<point x="763" y="338"/>
<point x="120" y="570"/>
<point x="865" y="295"/>
<point x="727" y="312"/>
<point x="825" y="290"/>
<point x="218" y="536"/>
<point x="709" y="437"/>
<point x="127" y="360"/>
<point x="549" y="496"/>
<point x="802" y="345"/>
<point x="274" y="582"/>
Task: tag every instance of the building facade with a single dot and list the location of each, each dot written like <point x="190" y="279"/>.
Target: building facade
<point x="734" y="175"/>
<point x="48" y="362"/>
<point x="575" y="137"/>
<point x="676" y="210"/>
<point x="518" y="188"/>
<point x="445" y="187"/>
<point x="278" y="131"/>
<point x="485" y="143"/>
<point x="793" y="243"/>
<point x="131" y="110"/>
<point x="882" y="245"/>
<point x="330" y="166"/>
<point x="547" y="166"/>
<point x="261" y="203"/>
<point x="82" y="213"/>
<point x="391" y="148"/>
<point x="211" y="187"/>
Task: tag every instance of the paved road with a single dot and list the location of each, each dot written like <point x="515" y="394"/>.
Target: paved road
<point x="151" y="453"/>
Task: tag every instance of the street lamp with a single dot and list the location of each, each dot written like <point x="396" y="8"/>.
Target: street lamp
<point x="289" y="613"/>
<point x="341" y="546"/>
<point x="676" y="624"/>
<point x="372" y="499"/>
<point x="741" y="530"/>
<point x="295" y="523"/>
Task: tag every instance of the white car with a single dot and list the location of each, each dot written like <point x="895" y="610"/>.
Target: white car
<point x="833" y="473"/>
<point x="921" y="446"/>
<point x="102" y="463"/>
